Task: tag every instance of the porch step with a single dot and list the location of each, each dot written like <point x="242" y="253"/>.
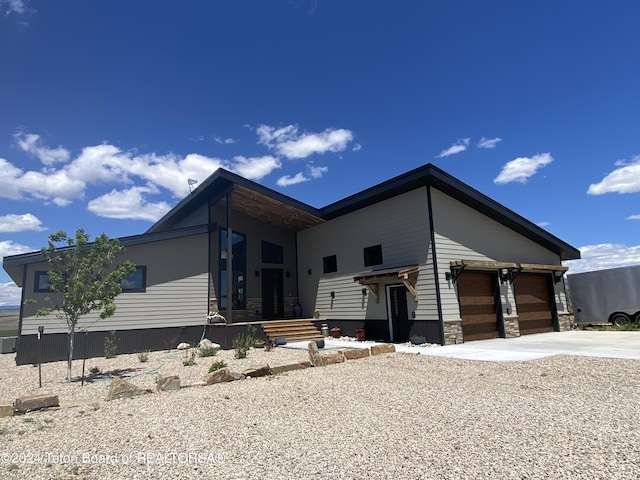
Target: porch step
<point x="293" y="330"/>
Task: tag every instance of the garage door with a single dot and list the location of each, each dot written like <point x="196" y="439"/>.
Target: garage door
<point x="533" y="303"/>
<point x="477" y="305"/>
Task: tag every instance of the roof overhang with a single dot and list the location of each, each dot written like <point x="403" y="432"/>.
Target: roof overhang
<point x="371" y="279"/>
<point x="507" y="271"/>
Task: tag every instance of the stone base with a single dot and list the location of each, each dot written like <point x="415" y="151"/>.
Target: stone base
<point x="453" y="332"/>
<point x="511" y="327"/>
<point x="566" y="322"/>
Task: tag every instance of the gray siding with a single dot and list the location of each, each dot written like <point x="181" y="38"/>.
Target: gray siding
<point x="198" y="217"/>
<point x="400" y="225"/>
<point x="463" y="233"/>
<point x="176" y="293"/>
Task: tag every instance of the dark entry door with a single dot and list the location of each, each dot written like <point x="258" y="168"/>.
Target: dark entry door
<point x="477" y="296"/>
<point x="272" y="293"/>
<point x="399" y="313"/>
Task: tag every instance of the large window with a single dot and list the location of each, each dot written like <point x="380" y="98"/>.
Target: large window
<point x="136" y="282"/>
<point x="42" y="282"/>
<point x="373" y="256"/>
<point x="330" y="264"/>
<point x="239" y="265"/>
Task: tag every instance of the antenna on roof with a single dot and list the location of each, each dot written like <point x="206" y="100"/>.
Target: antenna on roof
<point x="191" y="183"/>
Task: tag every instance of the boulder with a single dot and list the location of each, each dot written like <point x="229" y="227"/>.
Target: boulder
<point x="355" y="353"/>
<point x="168" y="384"/>
<point x="36" y="402"/>
<point x="206" y="343"/>
<point x="320" y="359"/>
<point x="314" y="354"/>
<point x="222" y="375"/>
<point x="257" y="371"/>
<point x="382" y="348"/>
<point x="183" y="346"/>
<point x="122" y="389"/>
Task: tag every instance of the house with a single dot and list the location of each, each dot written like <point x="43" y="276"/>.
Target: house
<point x="420" y="254"/>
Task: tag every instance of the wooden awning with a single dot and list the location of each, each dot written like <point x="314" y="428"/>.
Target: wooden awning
<point x="407" y="275"/>
<point x="508" y="270"/>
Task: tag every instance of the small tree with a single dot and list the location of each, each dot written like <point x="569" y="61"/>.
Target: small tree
<point x="83" y="277"/>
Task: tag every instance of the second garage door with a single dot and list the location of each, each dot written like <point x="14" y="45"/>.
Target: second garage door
<point x="476" y="293"/>
<point x="533" y="303"/>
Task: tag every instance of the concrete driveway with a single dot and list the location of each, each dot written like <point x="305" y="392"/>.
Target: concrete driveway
<point x="529" y="347"/>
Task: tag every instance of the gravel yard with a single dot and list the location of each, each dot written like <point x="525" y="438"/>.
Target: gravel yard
<point x="389" y="416"/>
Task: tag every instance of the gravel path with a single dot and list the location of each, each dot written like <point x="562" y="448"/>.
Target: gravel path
<point x="390" y="416"/>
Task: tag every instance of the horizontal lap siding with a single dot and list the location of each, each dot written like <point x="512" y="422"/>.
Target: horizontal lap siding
<point x="400" y="225"/>
<point x="176" y="293"/>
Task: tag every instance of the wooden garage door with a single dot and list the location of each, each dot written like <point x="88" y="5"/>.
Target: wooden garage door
<point x="477" y="305"/>
<point x="533" y="303"/>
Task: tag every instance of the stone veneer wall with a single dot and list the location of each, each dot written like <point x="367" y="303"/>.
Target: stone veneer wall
<point x="511" y="327"/>
<point x="452" y="332"/>
<point x="566" y="321"/>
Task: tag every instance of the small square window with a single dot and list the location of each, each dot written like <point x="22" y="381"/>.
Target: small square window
<point x="373" y="256"/>
<point x="330" y="264"/>
<point x="42" y="282"/>
<point x="136" y="282"/>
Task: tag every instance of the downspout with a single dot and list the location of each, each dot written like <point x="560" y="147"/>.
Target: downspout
<point x="435" y="266"/>
<point x="229" y="262"/>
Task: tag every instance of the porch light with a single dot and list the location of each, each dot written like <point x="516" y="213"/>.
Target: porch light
<point x="333" y="294"/>
<point x="505" y="275"/>
<point x="364" y="292"/>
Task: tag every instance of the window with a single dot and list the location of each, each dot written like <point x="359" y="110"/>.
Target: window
<point x="239" y="265"/>
<point x="42" y="282"/>
<point x="373" y="256"/>
<point x="272" y="253"/>
<point x="136" y="282"/>
<point x="330" y="264"/>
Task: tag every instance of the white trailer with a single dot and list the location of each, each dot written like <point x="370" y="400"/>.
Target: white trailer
<point x="611" y="295"/>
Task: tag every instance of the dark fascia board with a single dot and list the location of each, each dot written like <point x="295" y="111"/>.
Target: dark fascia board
<point x="430" y="175"/>
<point x="213" y="189"/>
<point x="12" y="263"/>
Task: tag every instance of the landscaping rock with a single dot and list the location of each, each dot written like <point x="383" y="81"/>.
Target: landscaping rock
<point x="355" y="353"/>
<point x="257" y="371"/>
<point x="167" y="384"/>
<point x="6" y="410"/>
<point x="222" y="376"/>
<point x="275" y="369"/>
<point x="122" y="389"/>
<point x="36" y="402"/>
<point x="320" y="359"/>
<point x="183" y="346"/>
<point x="382" y="348"/>
<point x="314" y="354"/>
<point x="205" y="343"/>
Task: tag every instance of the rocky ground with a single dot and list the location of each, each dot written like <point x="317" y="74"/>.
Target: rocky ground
<point x="389" y="416"/>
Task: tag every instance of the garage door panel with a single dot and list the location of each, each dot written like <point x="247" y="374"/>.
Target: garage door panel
<point x="477" y="305"/>
<point x="533" y="304"/>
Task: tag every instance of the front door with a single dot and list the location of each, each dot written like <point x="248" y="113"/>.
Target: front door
<point x="398" y="313"/>
<point x="272" y="293"/>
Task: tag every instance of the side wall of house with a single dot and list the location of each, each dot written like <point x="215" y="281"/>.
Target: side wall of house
<point x="463" y="233"/>
<point x="176" y="290"/>
<point x="400" y="225"/>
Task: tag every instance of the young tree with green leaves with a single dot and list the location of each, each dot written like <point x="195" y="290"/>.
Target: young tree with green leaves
<point x="83" y="278"/>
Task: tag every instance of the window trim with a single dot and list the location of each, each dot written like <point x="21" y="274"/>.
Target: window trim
<point x="36" y="282"/>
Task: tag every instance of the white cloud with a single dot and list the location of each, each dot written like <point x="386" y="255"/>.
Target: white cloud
<point x="255" y="168"/>
<point x="543" y="224"/>
<point x="9" y="180"/>
<point x="317" y="172"/>
<point x="13" y="6"/>
<point x="488" y="142"/>
<point x="288" y="142"/>
<point x="633" y="217"/>
<point x="128" y="204"/>
<point x="605" y="255"/>
<point x="520" y="169"/>
<point x="10" y="294"/>
<point x="225" y="141"/>
<point x="460" y="146"/>
<point x="20" y="223"/>
<point x="625" y="179"/>
<point x="287" y="180"/>
<point x="29" y="142"/>
<point x="357" y="147"/>
<point x="7" y="247"/>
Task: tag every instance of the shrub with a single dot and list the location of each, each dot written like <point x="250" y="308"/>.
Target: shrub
<point x="208" y="352"/>
<point x="244" y="341"/>
<point x="217" y="366"/>
<point x="143" y="357"/>
<point x="110" y="345"/>
<point x="190" y="361"/>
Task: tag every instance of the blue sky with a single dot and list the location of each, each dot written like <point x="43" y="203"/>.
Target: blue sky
<point x="108" y="107"/>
